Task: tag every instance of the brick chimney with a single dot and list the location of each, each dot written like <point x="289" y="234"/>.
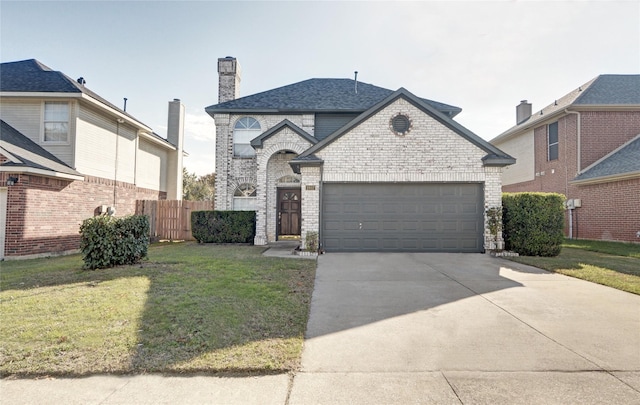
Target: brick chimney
<point x="228" y="79"/>
<point x="175" y="136"/>
<point x="523" y="112"/>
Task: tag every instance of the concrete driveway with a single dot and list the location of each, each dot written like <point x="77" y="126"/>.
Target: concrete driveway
<point x="418" y="329"/>
<point x="464" y="328"/>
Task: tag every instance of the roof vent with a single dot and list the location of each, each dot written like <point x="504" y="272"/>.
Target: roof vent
<point x="81" y="81"/>
<point x="356" y="81"/>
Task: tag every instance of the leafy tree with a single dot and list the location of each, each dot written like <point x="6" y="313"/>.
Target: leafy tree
<point x="196" y="188"/>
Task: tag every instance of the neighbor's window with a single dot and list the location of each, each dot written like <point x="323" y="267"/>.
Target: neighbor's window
<point x="244" y="131"/>
<point x="56" y="121"/>
<point x="244" y="198"/>
<point x="552" y="141"/>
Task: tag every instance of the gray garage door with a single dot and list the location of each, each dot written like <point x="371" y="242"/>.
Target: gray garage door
<point x="402" y="217"/>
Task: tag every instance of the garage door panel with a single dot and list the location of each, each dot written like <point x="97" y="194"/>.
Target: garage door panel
<point x="402" y="217"/>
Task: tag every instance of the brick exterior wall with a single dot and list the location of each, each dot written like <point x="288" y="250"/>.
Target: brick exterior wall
<point x="609" y="210"/>
<point x="44" y="214"/>
<point x="430" y="152"/>
<point x="371" y="152"/>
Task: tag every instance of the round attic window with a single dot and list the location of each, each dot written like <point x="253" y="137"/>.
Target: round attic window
<point x="400" y="124"/>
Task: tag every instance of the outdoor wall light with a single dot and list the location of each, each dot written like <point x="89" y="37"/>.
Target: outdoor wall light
<point x="11" y="181"/>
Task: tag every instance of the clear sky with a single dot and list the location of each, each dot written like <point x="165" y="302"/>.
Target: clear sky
<point x="482" y="56"/>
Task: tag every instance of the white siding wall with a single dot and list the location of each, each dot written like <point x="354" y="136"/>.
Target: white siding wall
<point x="26" y="115"/>
<point x="96" y="146"/>
<point x="152" y="166"/>
<point x="521" y="148"/>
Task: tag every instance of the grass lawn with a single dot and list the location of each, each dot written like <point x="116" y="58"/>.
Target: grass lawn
<point x="612" y="264"/>
<point x="189" y="308"/>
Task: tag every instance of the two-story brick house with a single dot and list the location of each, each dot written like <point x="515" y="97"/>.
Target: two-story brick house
<point x="585" y="145"/>
<point x="367" y="168"/>
<point x="67" y="154"/>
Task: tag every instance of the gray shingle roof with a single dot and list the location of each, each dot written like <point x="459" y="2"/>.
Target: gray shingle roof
<point x="624" y="160"/>
<point x="611" y="90"/>
<point x="317" y="95"/>
<point x="604" y="90"/>
<point x="32" y="76"/>
<point x="30" y="154"/>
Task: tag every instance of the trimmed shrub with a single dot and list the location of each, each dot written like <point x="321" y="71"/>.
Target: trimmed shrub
<point x="533" y="223"/>
<point x="223" y="226"/>
<point x="107" y="241"/>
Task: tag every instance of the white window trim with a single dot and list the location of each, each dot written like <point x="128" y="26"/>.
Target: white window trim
<point x="257" y="131"/>
<point x="42" y="111"/>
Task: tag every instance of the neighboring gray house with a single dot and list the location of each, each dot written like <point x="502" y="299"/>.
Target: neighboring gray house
<point x="367" y="168"/>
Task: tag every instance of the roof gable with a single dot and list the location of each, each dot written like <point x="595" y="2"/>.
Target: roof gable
<point x="317" y="95"/>
<point x="28" y="153"/>
<point x="494" y="155"/>
<point x="258" y="141"/>
<point x="621" y="162"/>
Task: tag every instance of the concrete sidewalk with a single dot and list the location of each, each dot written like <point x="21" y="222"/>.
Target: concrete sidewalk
<point x="419" y="328"/>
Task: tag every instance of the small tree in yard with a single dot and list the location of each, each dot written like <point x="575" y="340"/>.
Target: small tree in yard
<point x="494" y="222"/>
<point x="196" y="188"/>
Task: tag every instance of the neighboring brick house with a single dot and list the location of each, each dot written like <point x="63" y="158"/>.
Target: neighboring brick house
<point x="585" y="145"/>
<point x="367" y="168"/>
<point x="66" y="154"/>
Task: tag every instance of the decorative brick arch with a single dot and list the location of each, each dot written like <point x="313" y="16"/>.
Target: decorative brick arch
<point x="266" y="154"/>
<point x="294" y="144"/>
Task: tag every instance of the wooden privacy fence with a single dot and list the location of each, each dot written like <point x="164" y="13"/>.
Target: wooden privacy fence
<point x="170" y="219"/>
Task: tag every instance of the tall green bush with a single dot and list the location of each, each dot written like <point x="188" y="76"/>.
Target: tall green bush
<point x="223" y="226"/>
<point x="533" y="223"/>
<point x="107" y="241"/>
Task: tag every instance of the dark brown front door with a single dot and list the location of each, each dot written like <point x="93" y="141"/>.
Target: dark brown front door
<point x="289" y="211"/>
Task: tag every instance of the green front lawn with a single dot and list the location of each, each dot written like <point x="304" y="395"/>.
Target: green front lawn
<point x="612" y="264"/>
<point x="189" y="308"/>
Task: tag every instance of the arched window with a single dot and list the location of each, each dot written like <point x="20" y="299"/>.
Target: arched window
<point x="244" y="131"/>
<point x="244" y="198"/>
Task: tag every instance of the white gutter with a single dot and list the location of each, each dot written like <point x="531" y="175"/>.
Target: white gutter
<point x="40" y="172"/>
<point x="117" y="113"/>
<point x="156" y="140"/>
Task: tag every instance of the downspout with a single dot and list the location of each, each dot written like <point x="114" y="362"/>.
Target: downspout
<point x="320" y="240"/>
<point x="578" y="137"/>
<point x="566" y="174"/>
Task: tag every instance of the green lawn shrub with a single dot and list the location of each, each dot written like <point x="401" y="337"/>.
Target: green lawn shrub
<point x="223" y="226"/>
<point x="108" y="241"/>
<point x="533" y="223"/>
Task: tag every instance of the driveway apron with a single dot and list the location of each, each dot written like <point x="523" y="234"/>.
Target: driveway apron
<point x="465" y="328"/>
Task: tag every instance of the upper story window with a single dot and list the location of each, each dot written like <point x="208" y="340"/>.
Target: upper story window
<point x="244" y="131"/>
<point x="56" y="122"/>
<point x="552" y="141"/>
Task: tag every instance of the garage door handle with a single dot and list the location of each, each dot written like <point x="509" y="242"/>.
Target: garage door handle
<point x="360" y="225"/>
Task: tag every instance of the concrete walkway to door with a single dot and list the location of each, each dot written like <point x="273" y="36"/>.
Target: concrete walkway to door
<point x="464" y="328"/>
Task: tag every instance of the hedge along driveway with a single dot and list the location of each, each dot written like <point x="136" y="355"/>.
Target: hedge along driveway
<point x="190" y="308"/>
